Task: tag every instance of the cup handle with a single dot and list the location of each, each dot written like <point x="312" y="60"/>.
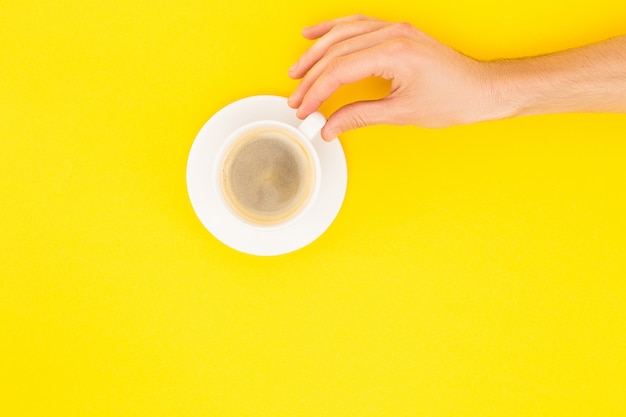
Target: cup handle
<point x="312" y="125"/>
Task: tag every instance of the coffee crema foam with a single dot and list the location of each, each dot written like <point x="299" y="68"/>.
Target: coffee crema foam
<point x="267" y="176"/>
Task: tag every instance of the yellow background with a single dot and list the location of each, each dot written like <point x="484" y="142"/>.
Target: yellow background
<point x="472" y="271"/>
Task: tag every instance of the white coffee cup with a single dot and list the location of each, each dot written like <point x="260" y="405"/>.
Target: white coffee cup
<point x="267" y="173"/>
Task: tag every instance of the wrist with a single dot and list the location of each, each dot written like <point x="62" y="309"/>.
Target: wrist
<point x="509" y="90"/>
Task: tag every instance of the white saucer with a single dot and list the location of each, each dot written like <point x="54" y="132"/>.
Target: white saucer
<point x="218" y="221"/>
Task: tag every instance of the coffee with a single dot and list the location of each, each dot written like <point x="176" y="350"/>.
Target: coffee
<point x="267" y="175"/>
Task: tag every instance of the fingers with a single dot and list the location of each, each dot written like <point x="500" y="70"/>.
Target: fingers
<point x="320" y="29"/>
<point x="375" y="61"/>
<point x="338" y="49"/>
<point x="334" y="36"/>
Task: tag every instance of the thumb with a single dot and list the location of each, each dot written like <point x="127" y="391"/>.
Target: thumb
<point x="357" y="115"/>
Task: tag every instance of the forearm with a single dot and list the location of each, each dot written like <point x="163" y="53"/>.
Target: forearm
<point x="586" y="79"/>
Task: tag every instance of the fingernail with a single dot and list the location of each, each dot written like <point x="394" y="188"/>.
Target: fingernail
<point x="330" y="135"/>
<point x="293" y="67"/>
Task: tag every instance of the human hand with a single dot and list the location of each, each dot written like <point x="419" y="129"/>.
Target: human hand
<point x="432" y="85"/>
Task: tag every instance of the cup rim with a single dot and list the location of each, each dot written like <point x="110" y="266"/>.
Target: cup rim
<point x="312" y="153"/>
